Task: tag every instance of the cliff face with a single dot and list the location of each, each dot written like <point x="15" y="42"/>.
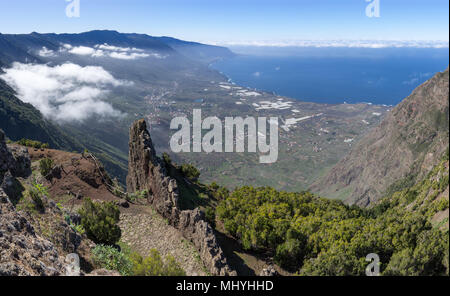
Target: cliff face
<point x="409" y="142"/>
<point x="147" y="172"/>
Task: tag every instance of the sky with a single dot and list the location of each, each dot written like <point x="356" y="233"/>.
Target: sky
<point x="236" y="21"/>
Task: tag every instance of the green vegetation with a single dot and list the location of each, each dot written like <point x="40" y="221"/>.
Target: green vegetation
<point x="33" y="199"/>
<point x="22" y="122"/>
<point x="210" y="216"/>
<point x="154" y="265"/>
<point x="33" y="144"/>
<point x="99" y="220"/>
<point x="37" y="193"/>
<point x="129" y="263"/>
<point x="191" y="172"/>
<point x="315" y="236"/>
<point x="139" y="195"/>
<point x="46" y="166"/>
<point x="112" y="259"/>
<point x="167" y="161"/>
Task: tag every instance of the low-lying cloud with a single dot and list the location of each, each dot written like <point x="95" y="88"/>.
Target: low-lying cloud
<point x="65" y="93"/>
<point x="45" y="52"/>
<point x="340" y="43"/>
<point x="105" y="50"/>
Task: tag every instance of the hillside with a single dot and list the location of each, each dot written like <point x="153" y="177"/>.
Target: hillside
<point x="21" y="120"/>
<point x="314" y="236"/>
<point x="106" y="137"/>
<point x="214" y="231"/>
<point x="407" y="144"/>
<point x="46" y="212"/>
<point x="35" y="237"/>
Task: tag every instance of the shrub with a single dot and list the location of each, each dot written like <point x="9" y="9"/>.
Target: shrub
<point x="100" y="221"/>
<point x="190" y="172"/>
<point x="132" y="197"/>
<point x="218" y="191"/>
<point x="112" y="259"/>
<point x="166" y="159"/>
<point x="117" y="189"/>
<point x="214" y="186"/>
<point x="154" y="265"/>
<point x="46" y="166"/>
<point x="442" y="205"/>
<point x="33" y="144"/>
<point x="289" y="255"/>
<point x="210" y="215"/>
<point x="37" y="192"/>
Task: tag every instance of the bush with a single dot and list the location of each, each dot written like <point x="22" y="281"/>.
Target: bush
<point x="37" y="192"/>
<point x="46" y="166"/>
<point x="210" y="215"/>
<point x="129" y="263"/>
<point x="190" y="172"/>
<point x="317" y="236"/>
<point x="442" y="205"/>
<point x="112" y="259"/>
<point x="132" y="197"/>
<point x="218" y="191"/>
<point x="290" y="254"/>
<point x="166" y="159"/>
<point x="100" y="221"/>
<point x="33" y="144"/>
<point x="154" y="265"/>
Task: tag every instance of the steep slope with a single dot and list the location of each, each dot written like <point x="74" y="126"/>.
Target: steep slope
<point x="11" y="52"/>
<point x="20" y="120"/>
<point x="198" y="51"/>
<point x="32" y="242"/>
<point x="402" y="149"/>
<point x="16" y="47"/>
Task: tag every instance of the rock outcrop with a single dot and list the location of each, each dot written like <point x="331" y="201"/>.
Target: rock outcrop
<point x="408" y="143"/>
<point x="269" y="271"/>
<point x="22" y="251"/>
<point x="147" y="172"/>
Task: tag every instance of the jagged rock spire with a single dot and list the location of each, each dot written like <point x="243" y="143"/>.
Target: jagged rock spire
<point x="147" y="172"/>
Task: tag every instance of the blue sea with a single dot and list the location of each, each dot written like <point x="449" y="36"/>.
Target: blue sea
<point x="327" y="75"/>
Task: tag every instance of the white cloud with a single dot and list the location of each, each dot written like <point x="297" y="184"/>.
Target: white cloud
<point x="65" y="93"/>
<point x="339" y="43"/>
<point x="116" y="48"/>
<point x="105" y="50"/>
<point x="82" y="50"/>
<point x="44" y="52"/>
<point x="128" y="56"/>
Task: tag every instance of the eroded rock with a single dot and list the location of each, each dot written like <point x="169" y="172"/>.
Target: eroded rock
<point x="147" y="172"/>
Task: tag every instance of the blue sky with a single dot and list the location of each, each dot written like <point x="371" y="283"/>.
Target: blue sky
<point x="236" y="21"/>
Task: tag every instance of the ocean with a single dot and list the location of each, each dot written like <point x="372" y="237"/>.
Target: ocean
<point x="378" y="76"/>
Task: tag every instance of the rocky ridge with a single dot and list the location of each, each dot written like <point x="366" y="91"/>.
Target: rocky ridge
<point x="33" y="244"/>
<point x="23" y="252"/>
<point x="147" y="172"/>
